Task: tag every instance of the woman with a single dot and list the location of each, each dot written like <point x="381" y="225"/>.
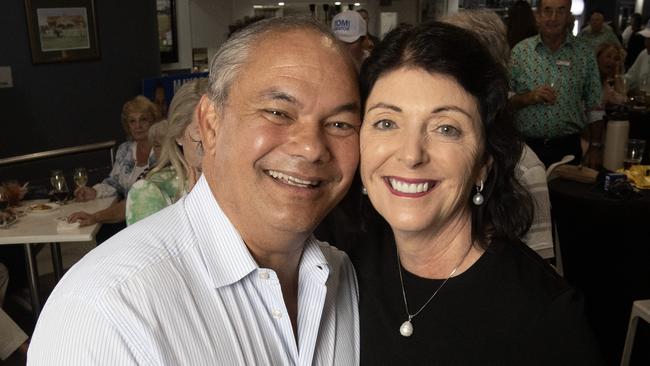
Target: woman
<point x="180" y="163"/>
<point x="610" y="67"/>
<point x="133" y="158"/>
<point x="450" y="282"/>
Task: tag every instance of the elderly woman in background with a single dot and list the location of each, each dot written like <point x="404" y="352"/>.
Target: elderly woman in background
<point x="450" y="282"/>
<point x="179" y="166"/>
<point x="132" y="159"/>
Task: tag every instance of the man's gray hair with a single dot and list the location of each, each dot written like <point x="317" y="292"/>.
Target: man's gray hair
<point x="488" y="27"/>
<point x="234" y="53"/>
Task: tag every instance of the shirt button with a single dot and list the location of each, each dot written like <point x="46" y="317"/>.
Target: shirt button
<point x="276" y="314"/>
<point x="264" y="275"/>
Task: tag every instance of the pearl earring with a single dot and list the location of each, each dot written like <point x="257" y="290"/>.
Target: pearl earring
<point x="478" y="197"/>
<point x="364" y="191"/>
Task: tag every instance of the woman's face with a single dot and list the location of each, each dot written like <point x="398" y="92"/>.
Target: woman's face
<point x="608" y="61"/>
<point x="139" y="123"/>
<point x="421" y="148"/>
<point x="189" y="141"/>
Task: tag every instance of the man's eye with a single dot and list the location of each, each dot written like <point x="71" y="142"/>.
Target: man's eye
<point x="276" y="113"/>
<point x="384" y="124"/>
<point x="342" y="125"/>
<point x="341" y="128"/>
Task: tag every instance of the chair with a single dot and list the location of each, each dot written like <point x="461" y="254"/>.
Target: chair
<point x="556" y="238"/>
<point x="640" y="309"/>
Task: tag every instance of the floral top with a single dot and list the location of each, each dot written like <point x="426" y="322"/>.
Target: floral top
<point x="571" y="70"/>
<point x="124" y="173"/>
<point x="150" y="195"/>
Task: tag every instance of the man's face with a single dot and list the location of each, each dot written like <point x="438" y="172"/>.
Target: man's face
<point x="553" y="17"/>
<point x="596" y="22"/>
<point x="283" y="150"/>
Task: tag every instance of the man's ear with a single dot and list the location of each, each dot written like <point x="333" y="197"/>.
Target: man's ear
<point x="209" y="119"/>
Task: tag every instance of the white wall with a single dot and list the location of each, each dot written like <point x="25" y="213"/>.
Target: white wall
<point x="210" y="20"/>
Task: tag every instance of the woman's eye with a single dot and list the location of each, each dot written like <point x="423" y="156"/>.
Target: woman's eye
<point x="385" y="124"/>
<point x="448" y="130"/>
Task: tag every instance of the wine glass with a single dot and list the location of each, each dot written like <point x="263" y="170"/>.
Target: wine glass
<point x="60" y="192"/>
<point x="80" y="177"/>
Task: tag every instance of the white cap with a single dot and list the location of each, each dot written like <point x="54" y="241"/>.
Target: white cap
<point x="348" y="26"/>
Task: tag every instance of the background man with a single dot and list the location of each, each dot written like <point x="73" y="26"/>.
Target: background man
<point x="556" y="82"/>
<point x="231" y="274"/>
<point x="366" y="17"/>
<point x="598" y="32"/>
<point x="350" y="28"/>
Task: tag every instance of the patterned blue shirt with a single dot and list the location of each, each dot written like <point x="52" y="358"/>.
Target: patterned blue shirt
<point x="124" y="172"/>
<point x="573" y="72"/>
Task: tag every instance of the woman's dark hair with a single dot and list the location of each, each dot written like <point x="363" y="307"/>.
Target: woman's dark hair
<point x="451" y="51"/>
<point x="521" y="22"/>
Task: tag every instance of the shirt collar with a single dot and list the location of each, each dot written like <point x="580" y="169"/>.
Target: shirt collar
<point x="225" y="255"/>
<point x="568" y="40"/>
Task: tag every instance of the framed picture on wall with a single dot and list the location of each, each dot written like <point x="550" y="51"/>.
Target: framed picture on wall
<point x="167" y="39"/>
<point x="62" y="30"/>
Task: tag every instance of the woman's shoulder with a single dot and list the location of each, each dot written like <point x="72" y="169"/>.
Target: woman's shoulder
<point x="523" y="270"/>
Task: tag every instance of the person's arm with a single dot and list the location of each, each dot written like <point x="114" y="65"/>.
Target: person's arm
<point x="113" y="214"/>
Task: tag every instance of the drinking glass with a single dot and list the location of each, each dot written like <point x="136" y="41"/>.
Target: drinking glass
<point x="634" y="153"/>
<point x="80" y="177"/>
<point x="60" y="186"/>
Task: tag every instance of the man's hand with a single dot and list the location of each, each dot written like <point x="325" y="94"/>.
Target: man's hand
<point x="543" y="94"/>
<point x="83" y="218"/>
<point x="83" y="194"/>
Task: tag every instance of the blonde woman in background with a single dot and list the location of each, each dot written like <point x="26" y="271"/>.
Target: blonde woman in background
<point x="179" y="166"/>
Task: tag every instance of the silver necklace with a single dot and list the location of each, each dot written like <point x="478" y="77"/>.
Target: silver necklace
<point x="406" y="329"/>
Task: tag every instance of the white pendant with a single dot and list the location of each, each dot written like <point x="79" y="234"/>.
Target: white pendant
<point x="406" y="329"/>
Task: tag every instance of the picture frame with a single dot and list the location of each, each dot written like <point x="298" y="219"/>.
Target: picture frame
<point x="167" y="34"/>
<point x="62" y="30"/>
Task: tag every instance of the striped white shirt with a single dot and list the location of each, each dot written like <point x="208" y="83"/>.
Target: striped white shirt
<point x="181" y="288"/>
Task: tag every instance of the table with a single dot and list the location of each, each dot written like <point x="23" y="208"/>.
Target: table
<point x="38" y="228"/>
<point x="605" y="246"/>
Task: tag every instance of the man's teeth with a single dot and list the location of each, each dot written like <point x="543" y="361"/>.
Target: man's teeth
<point x="409" y="187"/>
<point x="292" y="180"/>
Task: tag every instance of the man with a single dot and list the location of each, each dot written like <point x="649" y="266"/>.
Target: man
<point x="231" y="274"/>
<point x="637" y="75"/>
<point x="350" y="28"/>
<point x="555" y="80"/>
<point x="366" y="18"/>
<point x="597" y="32"/>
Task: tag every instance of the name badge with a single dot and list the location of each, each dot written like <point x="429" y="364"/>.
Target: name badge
<point x="563" y="63"/>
